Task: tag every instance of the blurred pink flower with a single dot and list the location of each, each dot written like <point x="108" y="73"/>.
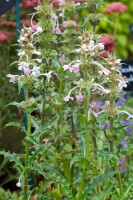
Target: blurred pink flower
<point x="104" y="71"/>
<point x="109" y="44"/>
<point x="79" y="97"/>
<point x="30" y="3"/>
<point x="115" y="7"/>
<point x="8" y="24"/>
<point x="74" y="68"/>
<point x="27" y="22"/>
<point x="12" y="78"/>
<point x="68" y="97"/>
<point x="122" y="84"/>
<point x="62" y="58"/>
<point x="56" y="30"/>
<point x="5" y="36"/>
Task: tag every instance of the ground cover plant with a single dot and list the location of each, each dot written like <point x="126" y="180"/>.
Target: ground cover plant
<point x="75" y="146"/>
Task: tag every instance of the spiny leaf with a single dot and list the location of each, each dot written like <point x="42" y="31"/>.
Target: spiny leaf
<point x="13" y="158"/>
<point x="16" y="124"/>
<point x="39" y="169"/>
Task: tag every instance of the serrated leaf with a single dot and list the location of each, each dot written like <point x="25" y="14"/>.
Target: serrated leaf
<point x="13" y="158"/>
<point x="16" y="124"/>
<point x="39" y="169"/>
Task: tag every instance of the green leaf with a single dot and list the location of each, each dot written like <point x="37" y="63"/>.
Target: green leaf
<point x="14" y="104"/>
<point x="108" y="176"/>
<point x="128" y="190"/>
<point x="82" y="119"/>
<point x="98" y="64"/>
<point x="16" y="124"/>
<point x="13" y="158"/>
<point x="104" y="193"/>
<point x="39" y="169"/>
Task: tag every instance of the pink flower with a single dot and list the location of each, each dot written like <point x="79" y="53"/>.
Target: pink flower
<point x="95" y="88"/>
<point x="33" y="28"/>
<point x="56" y="30"/>
<point x="74" y="68"/>
<point x="109" y="44"/>
<point x="12" y="78"/>
<point x="31" y="3"/>
<point x="27" y="71"/>
<point x="54" y="16"/>
<point x="104" y="71"/>
<point x="62" y="58"/>
<point x="68" y="97"/>
<point x="91" y="46"/>
<point x="79" y="97"/>
<point x="115" y="7"/>
<point x="27" y="22"/>
<point x="22" y="65"/>
<point x="8" y="24"/>
<point x="5" y="36"/>
<point x="122" y="84"/>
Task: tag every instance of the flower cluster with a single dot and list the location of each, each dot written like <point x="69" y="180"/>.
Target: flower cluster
<point x="115" y="7"/>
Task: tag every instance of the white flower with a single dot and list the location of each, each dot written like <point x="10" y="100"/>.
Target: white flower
<point x="35" y="71"/>
<point x="22" y="38"/>
<point x="101" y="46"/>
<point x="38" y="60"/>
<point x="18" y="184"/>
<point x="84" y="47"/>
<point x="36" y="52"/>
<point x="122" y="84"/>
<point x="21" y="53"/>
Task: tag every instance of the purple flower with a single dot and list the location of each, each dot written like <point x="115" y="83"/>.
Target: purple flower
<point x="128" y="130"/>
<point x="106" y="125"/>
<point x="126" y="122"/>
<point x="123" y="143"/>
<point x="99" y="105"/>
<point x="120" y="102"/>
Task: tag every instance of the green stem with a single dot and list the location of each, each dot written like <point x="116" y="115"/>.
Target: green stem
<point x="26" y="175"/>
<point x="87" y="138"/>
<point x="118" y="174"/>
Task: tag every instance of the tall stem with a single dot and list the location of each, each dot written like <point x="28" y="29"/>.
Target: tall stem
<point x="87" y="138"/>
<point x="26" y="175"/>
<point x="118" y="174"/>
